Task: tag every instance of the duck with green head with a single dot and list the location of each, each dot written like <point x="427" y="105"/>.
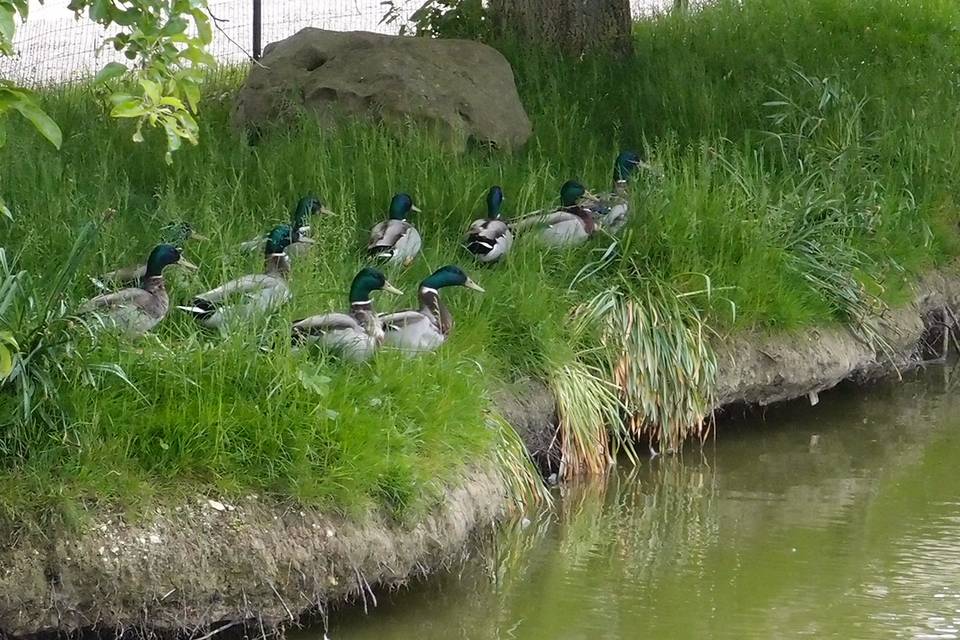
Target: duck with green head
<point x="611" y="210"/>
<point x="355" y="335"/>
<point x="301" y="243"/>
<point x="426" y="329"/>
<point x="252" y="295"/>
<point x="175" y="233"/>
<point x="396" y="241"/>
<point x="137" y="310"/>
<point x="489" y="239"/>
<point x="570" y="225"/>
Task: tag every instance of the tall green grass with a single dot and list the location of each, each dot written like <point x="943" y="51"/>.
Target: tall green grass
<point x="807" y="157"/>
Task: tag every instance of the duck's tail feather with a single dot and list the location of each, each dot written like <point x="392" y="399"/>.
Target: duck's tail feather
<point x="200" y="308"/>
<point x="380" y="253"/>
<point x="478" y="245"/>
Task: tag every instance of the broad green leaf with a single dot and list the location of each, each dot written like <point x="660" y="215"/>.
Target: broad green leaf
<point x="192" y="92"/>
<point x="132" y="108"/>
<point x="173" y="27"/>
<point x="8" y="348"/>
<point x="122" y="98"/>
<point x="100" y="11"/>
<point x="204" y="30"/>
<point x="6" y="362"/>
<point x="110" y="71"/>
<point x="170" y="101"/>
<point x="39" y="118"/>
<point x="151" y="90"/>
<point x="127" y="18"/>
<point x="7" y="26"/>
<point x="23" y="7"/>
<point x="198" y="56"/>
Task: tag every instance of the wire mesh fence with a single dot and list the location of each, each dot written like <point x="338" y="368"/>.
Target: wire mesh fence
<point x="53" y="46"/>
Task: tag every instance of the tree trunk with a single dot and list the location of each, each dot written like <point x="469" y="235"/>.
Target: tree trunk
<point x="575" y="26"/>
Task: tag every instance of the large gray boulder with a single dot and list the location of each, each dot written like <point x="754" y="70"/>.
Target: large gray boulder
<point x="464" y="90"/>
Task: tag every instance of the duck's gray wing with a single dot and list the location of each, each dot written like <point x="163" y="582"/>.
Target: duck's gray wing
<point x="132" y="297"/>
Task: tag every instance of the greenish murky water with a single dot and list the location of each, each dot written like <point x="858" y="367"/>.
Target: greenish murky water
<point x="837" y="521"/>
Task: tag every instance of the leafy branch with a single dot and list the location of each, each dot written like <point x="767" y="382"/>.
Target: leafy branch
<point x="165" y="42"/>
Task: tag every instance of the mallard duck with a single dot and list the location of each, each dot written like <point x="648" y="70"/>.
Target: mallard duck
<point x="137" y="310"/>
<point x="307" y="206"/>
<point x="395" y="240"/>
<point x="489" y="239"/>
<point x="175" y="233"/>
<point x="569" y="225"/>
<point x="425" y="330"/>
<point x="251" y="295"/>
<point x="610" y="210"/>
<point x="355" y="335"/>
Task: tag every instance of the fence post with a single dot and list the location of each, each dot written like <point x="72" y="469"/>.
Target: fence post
<point x="257" y="28"/>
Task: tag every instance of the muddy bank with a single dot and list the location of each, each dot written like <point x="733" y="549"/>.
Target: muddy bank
<point x="759" y="369"/>
<point x="210" y="563"/>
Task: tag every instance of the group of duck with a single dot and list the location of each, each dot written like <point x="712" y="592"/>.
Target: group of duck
<point x="142" y="302"/>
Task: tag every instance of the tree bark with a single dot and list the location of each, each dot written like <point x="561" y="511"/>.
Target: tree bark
<point x="575" y="26"/>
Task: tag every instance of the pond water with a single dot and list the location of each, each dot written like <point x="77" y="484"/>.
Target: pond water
<point x="835" y="521"/>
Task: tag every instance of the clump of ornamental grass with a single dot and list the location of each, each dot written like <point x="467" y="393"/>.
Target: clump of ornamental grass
<point x="657" y="354"/>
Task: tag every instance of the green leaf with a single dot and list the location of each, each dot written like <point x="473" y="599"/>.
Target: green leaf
<point x="192" y="92"/>
<point x="204" y="31"/>
<point x="8" y="347"/>
<point x="38" y="117"/>
<point x="198" y="56"/>
<point x="170" y="101"/>
<point x="131" y="108"/>
<point x="126" y="18"/>
<point x="23" y="7"/>
<point x="5" y="211"/>
<point x="100" y="11"/>
<point x="110" y="71"/>
<point x="6" y="362"/>
<point x="312" y="380"/>
<point x="121" y="98"/>
<point x="151" y="90"/>
<point x="7" y="26"/>
<point x="175" y="25"/>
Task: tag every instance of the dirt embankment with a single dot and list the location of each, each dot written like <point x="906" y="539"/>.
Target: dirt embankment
<point x="760" y="369"/>
<point x="210" y="563"/>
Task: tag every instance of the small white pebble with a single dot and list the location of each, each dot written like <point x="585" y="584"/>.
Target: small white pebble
<point x="216" y="505"/>
<point x="155" y="539"/>
<point x="331" y="533"/>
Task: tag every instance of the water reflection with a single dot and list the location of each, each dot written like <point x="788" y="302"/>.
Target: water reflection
<point x="840" y="521"/>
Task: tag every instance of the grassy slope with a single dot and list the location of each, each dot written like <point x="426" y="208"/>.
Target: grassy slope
<point x="781" y="204"/>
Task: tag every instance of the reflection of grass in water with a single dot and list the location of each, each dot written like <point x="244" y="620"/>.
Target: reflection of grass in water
<point x="649" y="519"/>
